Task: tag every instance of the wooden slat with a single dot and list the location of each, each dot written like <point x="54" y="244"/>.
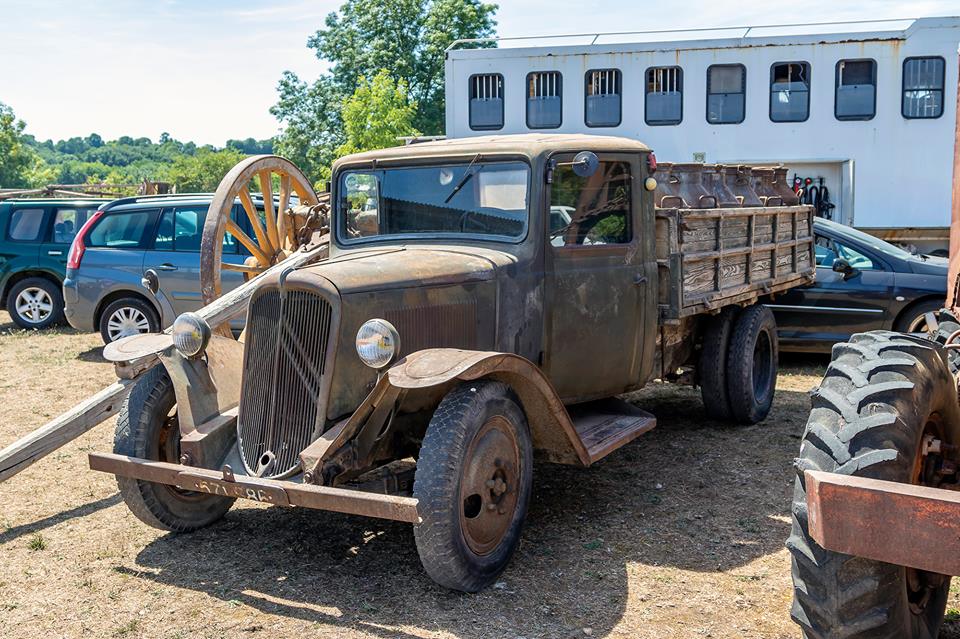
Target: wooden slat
<point x="244" y="239"/>
<point x="266" y="187"/>
<point x="254" y="218"/>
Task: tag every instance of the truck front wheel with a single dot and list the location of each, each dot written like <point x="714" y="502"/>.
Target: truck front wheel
<point x="147" y="427"/>
<point x="882" y="395"/>
<point x="473" y="482"/>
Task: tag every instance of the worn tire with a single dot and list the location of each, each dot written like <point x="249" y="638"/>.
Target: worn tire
<point x="947" y="325"/>
<point x="915" y="314"/>
<point x="713" y="364"/>
<point x="752" y="364"/>
<point x="868" y="419"/>
<point x="140" y="428"/>
<point x="441" y="542"/>
<point x="153" y="319"/>
<point x="53" y="292"/>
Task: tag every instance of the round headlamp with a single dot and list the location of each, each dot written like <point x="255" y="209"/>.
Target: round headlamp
<point x="190" y="334"/>
<point x="378" y="343"/>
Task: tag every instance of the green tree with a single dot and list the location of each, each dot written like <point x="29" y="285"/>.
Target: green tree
<point x="16" y="158"/>
<point x="376" y="114"/>
<point x="406" y="37"/>
<point x="202" y="172"/>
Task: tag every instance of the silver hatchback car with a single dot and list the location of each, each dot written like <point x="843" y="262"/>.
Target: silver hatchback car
<point x="103" y="289"/>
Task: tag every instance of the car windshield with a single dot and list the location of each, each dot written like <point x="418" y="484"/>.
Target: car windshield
<point x="477" y="198"/>
<point x="869" y="241"/>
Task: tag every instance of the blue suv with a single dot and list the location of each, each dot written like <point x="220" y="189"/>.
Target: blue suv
<point x="125" y="238"/>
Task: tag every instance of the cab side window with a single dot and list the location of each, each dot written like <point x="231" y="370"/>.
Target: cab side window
<point x="591" y="210"/>
<point x="25" y="225"/>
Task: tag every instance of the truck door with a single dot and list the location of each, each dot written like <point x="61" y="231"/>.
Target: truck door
<point x="596" y="279"/>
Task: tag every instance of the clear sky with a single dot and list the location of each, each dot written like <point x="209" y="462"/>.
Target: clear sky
<point x="207" y="70"/>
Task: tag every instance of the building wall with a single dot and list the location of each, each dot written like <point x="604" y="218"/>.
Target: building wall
<point x="885" y="172"/>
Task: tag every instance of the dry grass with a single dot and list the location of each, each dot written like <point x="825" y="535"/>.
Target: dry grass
<point x="679" y="534"/>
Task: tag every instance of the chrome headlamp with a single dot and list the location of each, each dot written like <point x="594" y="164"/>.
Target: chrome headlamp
<point x="378" y="343"/>
<point x="191" y="333"/>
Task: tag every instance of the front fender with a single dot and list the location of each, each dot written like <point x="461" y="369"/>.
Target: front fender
<point x="423" y="378"/>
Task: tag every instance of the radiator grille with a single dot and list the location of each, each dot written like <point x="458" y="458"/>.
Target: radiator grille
<point x="283" y="371"/>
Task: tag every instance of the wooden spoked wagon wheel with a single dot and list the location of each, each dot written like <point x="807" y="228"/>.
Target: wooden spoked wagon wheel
<point x="276" y="234"/>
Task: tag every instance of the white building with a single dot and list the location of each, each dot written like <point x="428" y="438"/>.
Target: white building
<point x="872" y="113"/>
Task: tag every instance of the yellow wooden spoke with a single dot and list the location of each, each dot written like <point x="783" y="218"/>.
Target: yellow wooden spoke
<point x="254" y="218"/>
<point x="243" y="268"/>
<point x="283" y="220"/>
<point x="244" y="239"/>
<point x="266" y="187"/>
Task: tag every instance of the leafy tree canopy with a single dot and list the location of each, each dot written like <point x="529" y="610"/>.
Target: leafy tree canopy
<point x="377" y="113"/>
<point x="405" y="37"/>
<point x="16" y="159"/>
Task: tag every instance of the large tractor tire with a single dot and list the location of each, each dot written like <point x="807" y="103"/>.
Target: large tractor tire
<point x="473" y="483"/>
<point x="147" y="427"/>
<point x="882" y="394"/>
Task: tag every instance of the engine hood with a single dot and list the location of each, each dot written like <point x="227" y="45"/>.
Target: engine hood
<point x="929" y="265"/>
<point x="404" y="267"/>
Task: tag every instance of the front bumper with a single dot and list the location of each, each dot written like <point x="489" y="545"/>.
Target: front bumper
<point x="281" y="493"/>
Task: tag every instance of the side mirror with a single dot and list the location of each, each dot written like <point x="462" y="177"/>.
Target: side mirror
<point x="150" y="281"/>
<point x="584" y="164"/>
<point x="841" y="265"/>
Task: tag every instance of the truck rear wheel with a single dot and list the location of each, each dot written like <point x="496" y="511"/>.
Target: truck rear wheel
<point x="473" y="482"/>
<point x="147" y="427"/>
<point x="713" y="364"/>
<point x="882" y="394"/>
<point x="752" y="364"/>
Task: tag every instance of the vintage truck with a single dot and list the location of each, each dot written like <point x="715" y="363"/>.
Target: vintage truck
<point x="478" y="304"/>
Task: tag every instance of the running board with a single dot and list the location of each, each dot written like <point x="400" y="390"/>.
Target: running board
<point x="607" y="424"/>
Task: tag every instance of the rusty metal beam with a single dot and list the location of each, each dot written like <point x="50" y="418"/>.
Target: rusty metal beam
<point x="281" y="493"/>
<point x="901" y="524"/>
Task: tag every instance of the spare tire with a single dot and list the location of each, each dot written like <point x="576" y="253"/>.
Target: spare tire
<point x="881" y="395"/>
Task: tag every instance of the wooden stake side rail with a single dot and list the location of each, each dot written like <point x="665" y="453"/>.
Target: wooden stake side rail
<point x="709" y="258"/>
<point x="84" y="416"/>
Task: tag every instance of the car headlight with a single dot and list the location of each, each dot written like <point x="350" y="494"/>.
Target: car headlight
<point x="378" y="343"/>
<point x="190" y="334"/>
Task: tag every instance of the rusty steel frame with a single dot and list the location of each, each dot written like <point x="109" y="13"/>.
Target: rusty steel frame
<point x="902" y="524"/>
<point x="269" y="491"/>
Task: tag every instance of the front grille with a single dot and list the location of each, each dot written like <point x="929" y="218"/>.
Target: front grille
<point x="286" y="353"/>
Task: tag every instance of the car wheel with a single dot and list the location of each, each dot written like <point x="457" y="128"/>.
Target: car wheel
<point x="752" y="365"/>
<point x="914" y="320"/>
<point x="35" y="302"/>
<point x="125" y="317"/>
<point x="713" y="363"/>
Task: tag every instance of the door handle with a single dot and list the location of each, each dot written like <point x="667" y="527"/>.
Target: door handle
<point x="54" y="253"/>
<point x="640" y="280"/>
<point x="166" y="267"/>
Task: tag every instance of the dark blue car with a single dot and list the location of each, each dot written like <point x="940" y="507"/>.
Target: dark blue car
<point x="863" y="284"/>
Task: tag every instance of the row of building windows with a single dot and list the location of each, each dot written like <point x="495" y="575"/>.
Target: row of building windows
<point x="855" y="96"/>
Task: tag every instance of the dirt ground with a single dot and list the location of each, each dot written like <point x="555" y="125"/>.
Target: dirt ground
<point x="679" y="534"/>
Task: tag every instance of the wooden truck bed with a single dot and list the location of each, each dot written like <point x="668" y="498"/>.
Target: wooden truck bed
<point x="709" y="258"/>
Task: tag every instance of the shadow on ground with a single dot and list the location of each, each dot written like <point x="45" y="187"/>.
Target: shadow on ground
<point x="692" y="494"/>
<point x="94" y="355"/>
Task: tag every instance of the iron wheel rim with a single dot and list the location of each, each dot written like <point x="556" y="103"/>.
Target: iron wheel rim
<point x="489" y="486"/>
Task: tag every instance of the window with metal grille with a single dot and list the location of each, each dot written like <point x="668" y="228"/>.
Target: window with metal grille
<point x="486" y="101"/>
<point x="603" y="98"/>
<point x="664" y="96"/>
<point x="544" y="99"/>
<point x="726" y="93"/>
<point x="789" y="92"/>
<point x="923" y="88"/>
<point x="856" y="95"/>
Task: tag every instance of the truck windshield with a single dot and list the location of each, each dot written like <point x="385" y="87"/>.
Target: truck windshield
<point x="473" y="198"/>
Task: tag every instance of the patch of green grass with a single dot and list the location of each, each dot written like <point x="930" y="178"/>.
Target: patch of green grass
<point x="593" y="545"/>
<point x="952" y="615"/>
<point x="37" y="542"/>
<point x="128" y="628"/>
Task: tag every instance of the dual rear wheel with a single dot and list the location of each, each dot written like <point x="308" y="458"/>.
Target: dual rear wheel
<point x="738" y="364"/>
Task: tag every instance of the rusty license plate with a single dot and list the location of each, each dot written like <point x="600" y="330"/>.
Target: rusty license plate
<point x="239" y="489"/>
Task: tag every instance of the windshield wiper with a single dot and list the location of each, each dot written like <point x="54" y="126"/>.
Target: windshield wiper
<point x="463" y="181"/>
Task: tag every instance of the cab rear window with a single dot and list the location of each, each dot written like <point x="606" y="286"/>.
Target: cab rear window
<point x="120" y="230"/>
